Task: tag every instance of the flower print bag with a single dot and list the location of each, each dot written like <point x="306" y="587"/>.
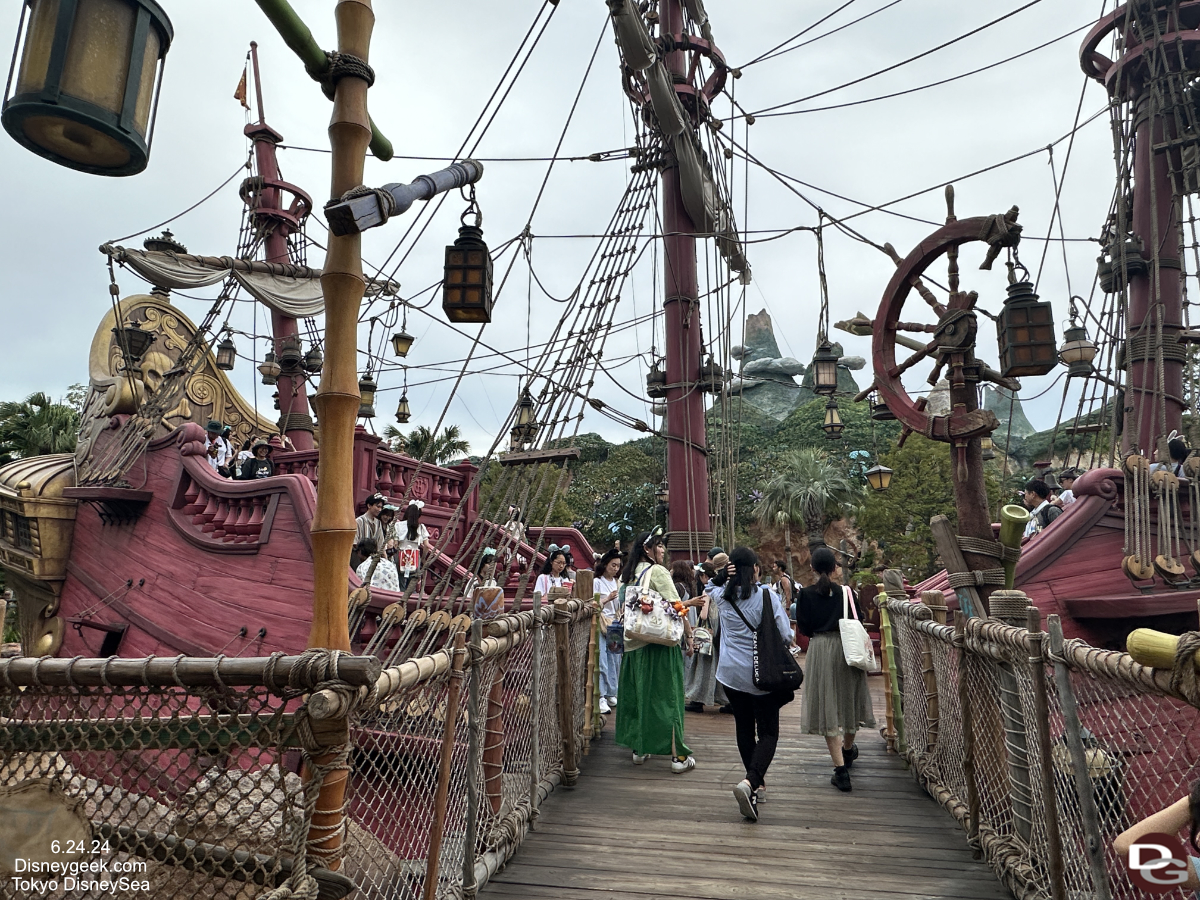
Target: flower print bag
<point x="649" y="618"/>
<point x="856" y="643"/>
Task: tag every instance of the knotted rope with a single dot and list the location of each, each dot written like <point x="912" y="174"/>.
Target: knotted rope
<point x="1184" y="678"/>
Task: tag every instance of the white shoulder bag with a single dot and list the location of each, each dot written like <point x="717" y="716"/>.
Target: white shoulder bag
<point x="650" y="618"/>
<point x="856" y="643"/>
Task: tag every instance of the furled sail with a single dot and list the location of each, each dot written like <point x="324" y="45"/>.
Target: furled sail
<point x="289" y="289"/>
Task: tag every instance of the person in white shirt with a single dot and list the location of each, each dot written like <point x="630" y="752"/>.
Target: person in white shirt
<point x="552" y="572"/>
<point x="607" y="588"/>
<point x="379" y="571"/>
<point x="1042" y="511"/>
<point x="216" y="448"/>
<point x="411" y="538"/>
<point x="1067" y="479"/>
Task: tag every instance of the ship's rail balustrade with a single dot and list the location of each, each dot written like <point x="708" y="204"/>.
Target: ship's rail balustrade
<point x="1044" y="750"/>
<point x="204" y="776"/>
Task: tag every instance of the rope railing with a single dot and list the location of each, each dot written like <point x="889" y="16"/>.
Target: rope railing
<point x="1043" y="749"/>
<point x="200" y="777"/>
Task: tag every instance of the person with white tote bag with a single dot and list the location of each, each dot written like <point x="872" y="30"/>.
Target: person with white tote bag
<point x="835" y="702"/>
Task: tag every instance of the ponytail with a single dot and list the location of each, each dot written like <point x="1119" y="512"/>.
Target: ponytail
<point x="824" y="563"/>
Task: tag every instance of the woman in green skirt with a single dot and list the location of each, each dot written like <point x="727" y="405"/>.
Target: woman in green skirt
<point x="650" y="693"/>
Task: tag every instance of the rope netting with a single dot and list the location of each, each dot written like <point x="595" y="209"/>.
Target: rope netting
<point x="974" y="704"/>
<point x="295" y="777"/>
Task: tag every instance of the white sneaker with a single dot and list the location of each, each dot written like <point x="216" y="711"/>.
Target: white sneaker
<point x="612" y="701"/>
<point x="638" y="760"/>
<point x="679" y="766"/>
<point x="746" y="800"/>
<point x="604" y="707"/>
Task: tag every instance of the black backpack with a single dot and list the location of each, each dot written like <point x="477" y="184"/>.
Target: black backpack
<point x="775" y="669"/>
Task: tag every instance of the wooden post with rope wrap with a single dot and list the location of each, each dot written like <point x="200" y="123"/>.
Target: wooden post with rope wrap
<point x="441" y="797"/>
<point x="566" y="691"/>
<point x="889" y="727"/>
<point x="585" y="587"/>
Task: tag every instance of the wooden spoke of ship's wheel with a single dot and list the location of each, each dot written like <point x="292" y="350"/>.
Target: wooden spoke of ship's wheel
<point x="921" y="354"/>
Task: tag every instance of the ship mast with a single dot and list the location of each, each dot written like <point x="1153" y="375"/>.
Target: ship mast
<point x="269" y="217"/>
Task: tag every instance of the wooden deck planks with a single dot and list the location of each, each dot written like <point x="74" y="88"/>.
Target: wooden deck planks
<point x="635" y="833"/>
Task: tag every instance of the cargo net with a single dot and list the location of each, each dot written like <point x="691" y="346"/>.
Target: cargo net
<point x="176" y="777"/>
<point x="968" y="722"/>
<point x="289" y="778"/>
<point x="451" y="760"/>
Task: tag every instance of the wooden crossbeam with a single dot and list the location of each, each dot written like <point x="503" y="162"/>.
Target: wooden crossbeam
<point x="531" y="457"/>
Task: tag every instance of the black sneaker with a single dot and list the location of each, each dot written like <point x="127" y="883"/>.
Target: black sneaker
<point x="841" y="779"/>
<point x="727" y="709"/>
<point x="694" y="706"/>
<point x="850" y="754"/>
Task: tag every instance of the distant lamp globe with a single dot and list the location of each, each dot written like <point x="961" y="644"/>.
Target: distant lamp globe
<point x="824" y="365"/>
<point x="87" y="82"/>
<point x="1077" y="351"/>
<point x="402" y="342"/>
<point x="403" y="413"/>
<point x="879" y="478"/>
<point x="269" y="368"/>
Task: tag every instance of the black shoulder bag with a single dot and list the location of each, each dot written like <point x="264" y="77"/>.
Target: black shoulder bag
<point x="775" y="669"/>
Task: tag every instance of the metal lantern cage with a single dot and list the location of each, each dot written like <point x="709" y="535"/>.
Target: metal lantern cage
<point x="402" y="342"/>
<point x="525" y="431"/>
<point x="84" y="82"/>
<point x="269" y="368"/>
<point x="226" y="353"/>
<point x="833" y="425"/>
<point x="366" y="397"/>
<point x="824" y="369"/>
<point x="1025" y="329"/>
<point x="879" y="477"/>
<point x="467" y="289"/>
<point x="403" y="412"/>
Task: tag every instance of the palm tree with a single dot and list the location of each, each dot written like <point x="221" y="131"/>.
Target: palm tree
<point x="809" y="490"/>
<point x="36" y="426"/>
<point x="421" y="443"/>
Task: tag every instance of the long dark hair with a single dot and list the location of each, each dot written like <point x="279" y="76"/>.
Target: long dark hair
<point x="684" y="576"/>
<point x="608" y="557"/>
<point x="548" y="567"/>
<point x="824" y="563"/>
<point x="1194" y="810"/>
<point x="741" y="585"/>
<point x="639" y="552"/>
<point x="412" y="516"/>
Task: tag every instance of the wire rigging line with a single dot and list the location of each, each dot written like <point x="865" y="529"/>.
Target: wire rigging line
<point x="824" y="18"/>
<point x="770" y="54"/>
<point x="894" y="66"/>
<point x="932" y="84"/>
<point x="241" y="168"/>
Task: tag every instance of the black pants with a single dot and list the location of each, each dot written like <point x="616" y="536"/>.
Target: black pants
<point x="752" y="712"/>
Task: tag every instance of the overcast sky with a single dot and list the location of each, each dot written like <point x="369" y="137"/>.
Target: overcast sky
<point x="436" y="64"/>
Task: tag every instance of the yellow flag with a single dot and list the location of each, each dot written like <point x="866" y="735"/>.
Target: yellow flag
<point x="240" y="93"/>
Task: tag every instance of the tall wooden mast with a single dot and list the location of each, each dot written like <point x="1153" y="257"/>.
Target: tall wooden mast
<point x="277" y="224"/>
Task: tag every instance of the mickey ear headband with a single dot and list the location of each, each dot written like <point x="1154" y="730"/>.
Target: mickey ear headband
<point x="489" y="551"/>
<point x="553" y="548"/>
<point x="419" y="504"/>
<point x="657" y="532"/>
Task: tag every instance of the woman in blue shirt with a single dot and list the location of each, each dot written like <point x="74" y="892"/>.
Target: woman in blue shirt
<point x="740" y="602"/>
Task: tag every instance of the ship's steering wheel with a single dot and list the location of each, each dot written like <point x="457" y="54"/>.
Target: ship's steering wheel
<point x="953" y="336"/>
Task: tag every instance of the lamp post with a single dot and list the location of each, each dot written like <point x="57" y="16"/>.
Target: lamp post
<point x="87" y="79"/>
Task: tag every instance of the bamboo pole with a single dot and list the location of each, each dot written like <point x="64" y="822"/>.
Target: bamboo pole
<point x="897" y="706"/>
<point x="1011" y="607"/>
<point x="337" y="398"/>
<point x="968" y="726"/>
<point x="1084" y="788"/>
<point x="1155" y="648"/>
<point x="566" y="692"/>
<point x="946" y="539"/>
<point x="470" y="886"/>
<point x="889" y="727"/>
<point x="535" y="708"/>
<point x="493" y="739"/>
<point x="438" y="829"/>
<point x="585" y="591"/>
<point x="929" y="674"/>
<point x="1041" y="705"/>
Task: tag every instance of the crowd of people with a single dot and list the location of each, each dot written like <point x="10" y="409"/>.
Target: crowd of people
<point x="252" y="461"/>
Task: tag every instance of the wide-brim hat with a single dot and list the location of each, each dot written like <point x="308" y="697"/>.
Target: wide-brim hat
<point x="261" y="443"/>
<point x="720" y="561"/>
<point x="213" y="425"/>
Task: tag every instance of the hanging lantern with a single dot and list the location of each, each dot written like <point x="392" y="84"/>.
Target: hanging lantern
<point x="87" y="79"/>
<point x="366" y="397"/>
<point x="987" y="448"/>
<point x="824" y="369"/>
<point x="880" y="411"/>
<point x="269" y="368"/>
<point x="226" y="353"/>
<point x="1025" y="329"/>
<point x="656" y="382"/>
<point x="291" y="356"/>
<point x="879" y="478"/>
<point x="526" y="430"/>
<point x="402" y="342"/>
<point x="712" y="376"/>
<point x="403" y="413"/>
<point x="133" y="343"/>
<point x="663" y="493"/>
<point x="833" y="425"/>
<point x="467" y="290"/>
<point x="1077" y="351"/>
<point x="314" y="360"/>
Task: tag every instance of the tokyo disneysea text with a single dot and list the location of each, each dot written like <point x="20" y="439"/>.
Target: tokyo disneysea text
<point x="114" y="876"/>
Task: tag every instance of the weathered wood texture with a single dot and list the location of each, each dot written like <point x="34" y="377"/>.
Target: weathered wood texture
<point x="635" y="833"/>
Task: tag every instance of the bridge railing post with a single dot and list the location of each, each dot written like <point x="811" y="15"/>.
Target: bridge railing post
<point x="1041" y="701"/>
<point x="474" y="725"/>
<point x="442" y="795"/>
<point x="535" y="704"/>
<point x="566" y="691"/>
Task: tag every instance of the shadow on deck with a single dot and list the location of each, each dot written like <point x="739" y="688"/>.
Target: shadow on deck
<point x="627" y="833"/>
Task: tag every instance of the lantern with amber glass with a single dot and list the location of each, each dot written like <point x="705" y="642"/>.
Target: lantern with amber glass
<point x="1025" y="329"/>
<point x="1077" y="351"/>
<point x="879" y="478"/>
<point x="366" y="396"/>
<point x="402" y="342"/>
<point x="833" y="425"/>
<point x="403" y="413"/>
<point x="84" y="80"/>
<point x="824" y="369"/>
<point x="526" y="430"/>
<point x="269" y="368"/>
<point x="467" y="289"/>
<point x="226" y="353"/>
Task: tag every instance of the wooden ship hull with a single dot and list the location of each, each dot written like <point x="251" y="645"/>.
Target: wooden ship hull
<point x="180" y="560"/>
<point x="1072" y="569"/>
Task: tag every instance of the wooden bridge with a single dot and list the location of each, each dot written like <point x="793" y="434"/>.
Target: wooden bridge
<point x="634" y="833"/>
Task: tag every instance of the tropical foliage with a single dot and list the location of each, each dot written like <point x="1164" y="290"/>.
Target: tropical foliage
<point x="808" y="489"/>
<point x="36" y="426"/>
<point x="422" y="443"/>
